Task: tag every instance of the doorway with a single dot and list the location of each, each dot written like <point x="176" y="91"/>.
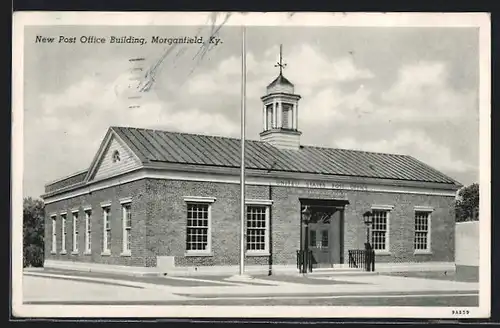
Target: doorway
<point x="324" y="233"/>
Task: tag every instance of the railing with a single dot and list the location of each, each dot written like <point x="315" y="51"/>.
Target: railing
<point x="362" y="259"/>
<point x="304" y="261"/>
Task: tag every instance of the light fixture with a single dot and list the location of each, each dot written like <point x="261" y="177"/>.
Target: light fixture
<point x="367" y="217"/>
<point x="306" y="214"/>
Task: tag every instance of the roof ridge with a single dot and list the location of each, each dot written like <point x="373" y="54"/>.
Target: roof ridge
<point x="254" y="140"/>
<point x="355" y="150"/>
<point x="259" y="141"/>
<point x="185" y="133"/>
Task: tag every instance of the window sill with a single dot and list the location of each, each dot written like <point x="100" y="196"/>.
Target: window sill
<point x="191" y="254"/>
<point x="422" y="253"/>
<point x="106" y="253"/>
<point x="258" y="254"/>
<point x="63" y="253"/>
<point x="53" y="252"/>
<point x="87" y="253"/>
<point x="74" y="253"/>
<point x="383" y="253"/>
<point x="126" y="254"/>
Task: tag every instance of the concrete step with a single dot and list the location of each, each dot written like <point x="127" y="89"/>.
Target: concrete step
<point x="340" y="271"/>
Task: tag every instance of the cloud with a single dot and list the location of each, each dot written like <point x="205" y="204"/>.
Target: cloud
<point x="189" y="120"/>
<point x="416" y="81"/>
<point x="331" y="106"/>
<point x="108" y="104"/>
<point x="423" y="93"/>
<point x="319" y="72"/>
<point x="415" y="143"/>
<point x="310" y="67"/>
<point x="221" y="79"/>
<point x="73" y="122"/>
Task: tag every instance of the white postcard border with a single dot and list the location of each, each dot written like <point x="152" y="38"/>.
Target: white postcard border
<point x="22" y="19"/>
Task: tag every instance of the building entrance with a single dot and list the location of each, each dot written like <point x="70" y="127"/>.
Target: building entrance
<point x="323" y="233"/>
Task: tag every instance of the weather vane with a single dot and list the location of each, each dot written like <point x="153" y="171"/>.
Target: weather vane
<point x="280" y="64"/>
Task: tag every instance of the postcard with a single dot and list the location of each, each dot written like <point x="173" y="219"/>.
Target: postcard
<point x="245" y="165"/>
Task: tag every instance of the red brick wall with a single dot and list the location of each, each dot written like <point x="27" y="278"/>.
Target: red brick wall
<point x="167" y="229"/>
<point x="286" y="233"/>
<point x="166" y="233"/>
<point x="159" y="223"/>
<point x="136" y="190"/>
<point x="402" y="225"/>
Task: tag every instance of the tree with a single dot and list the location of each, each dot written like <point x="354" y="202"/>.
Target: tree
<point x="33" y="232"/>
<point x="467" y="204"/>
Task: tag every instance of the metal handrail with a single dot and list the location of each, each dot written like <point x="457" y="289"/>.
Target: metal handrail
<point x="304" y="260"/>
<point x="362" y="259"/>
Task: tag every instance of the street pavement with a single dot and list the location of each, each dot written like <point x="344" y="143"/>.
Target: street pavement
<point x="66" y="287"/>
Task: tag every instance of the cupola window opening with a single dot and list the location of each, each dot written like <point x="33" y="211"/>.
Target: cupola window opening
<point x="287" y="116"/>
<point x="269" y="117"/>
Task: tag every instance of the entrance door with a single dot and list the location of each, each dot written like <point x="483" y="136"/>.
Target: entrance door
<point x="319" y="243"/>
<point x="324" y="235"/>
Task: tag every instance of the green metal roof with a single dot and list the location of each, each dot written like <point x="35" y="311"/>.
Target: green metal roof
<point x="157" y="147"/>
<point x="184" y="148"/>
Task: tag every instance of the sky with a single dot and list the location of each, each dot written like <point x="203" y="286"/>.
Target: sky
<point x="401" y="90"/>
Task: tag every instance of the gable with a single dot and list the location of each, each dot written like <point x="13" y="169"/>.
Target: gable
<point x="116" y="158"/>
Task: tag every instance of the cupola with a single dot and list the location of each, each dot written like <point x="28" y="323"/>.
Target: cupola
<point x="280" y="112"/>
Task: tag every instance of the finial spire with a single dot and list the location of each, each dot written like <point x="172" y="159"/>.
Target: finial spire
<point x="280" y="64"/>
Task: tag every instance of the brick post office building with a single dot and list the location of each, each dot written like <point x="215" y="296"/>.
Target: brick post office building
<point x="164" y="202"/>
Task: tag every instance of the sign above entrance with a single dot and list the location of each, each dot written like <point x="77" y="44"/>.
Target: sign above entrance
<point x="321" y="185"/>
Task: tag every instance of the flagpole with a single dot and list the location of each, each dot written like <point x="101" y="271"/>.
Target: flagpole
<point x="242" y="178"/>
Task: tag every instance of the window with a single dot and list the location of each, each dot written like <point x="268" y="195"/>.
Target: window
<point x="312" y="238"/>
<point x="287" y="118"/>
<point x="257" y="229"/>
<point x="75" y="232"/>
<point x="269" y="117"/>
<point x="63" y="233"/>
<point x="198" y="227"/>
<point x="106" y="240"/>
<point x="88" y="231"/>
<point x="315" y="241"/>
<point x="127" y="227"/>
<point x="54" y="234"/>
<point x="116" y="156"/>
<point x="324" y="238"/>
<point x="380" y="238"/>
<point x="422" y="222"/>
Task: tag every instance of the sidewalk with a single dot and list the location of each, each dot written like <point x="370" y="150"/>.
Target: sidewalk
<point x="359" y="286"/>
<point x="72" y="286"/>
